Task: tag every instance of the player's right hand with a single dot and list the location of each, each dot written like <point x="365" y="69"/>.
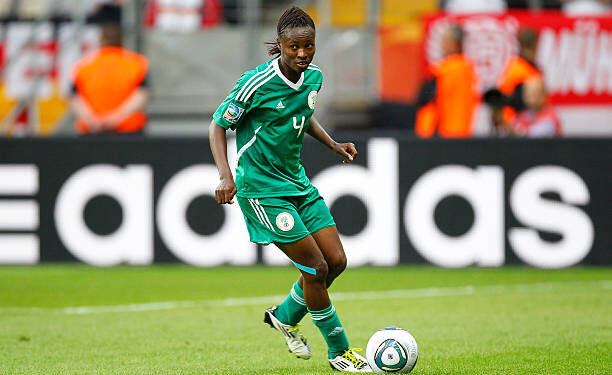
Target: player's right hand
<point x="225" y="191"/>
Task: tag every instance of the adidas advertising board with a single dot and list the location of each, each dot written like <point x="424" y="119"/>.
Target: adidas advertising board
<point x="452" y="203"/>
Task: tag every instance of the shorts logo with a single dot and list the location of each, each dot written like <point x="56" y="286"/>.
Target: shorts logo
<point x="232" y="113"/>
<point x="285" y="221"/>
<point x="312" y="99"/>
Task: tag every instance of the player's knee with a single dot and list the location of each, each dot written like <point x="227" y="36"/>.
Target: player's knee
<point x="337" y="265"/>
<point x="321" y="271"/>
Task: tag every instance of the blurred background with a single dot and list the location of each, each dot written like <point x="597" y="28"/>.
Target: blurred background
<point x="376" y="56"/>
<point x="105" y="107"/>
<point x="484" y="130"/>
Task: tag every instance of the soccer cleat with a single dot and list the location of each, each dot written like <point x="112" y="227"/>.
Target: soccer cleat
<point x="297" y="344"/>
<point x="350" y="361"/>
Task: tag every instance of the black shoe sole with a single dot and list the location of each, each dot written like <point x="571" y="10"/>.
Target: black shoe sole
<point x="267" y="319"/>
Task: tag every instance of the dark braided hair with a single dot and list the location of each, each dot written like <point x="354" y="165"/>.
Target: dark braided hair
<point x="292" y="17"/>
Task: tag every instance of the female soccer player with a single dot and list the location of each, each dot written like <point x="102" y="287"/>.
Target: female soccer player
<point x="271" y="108"/>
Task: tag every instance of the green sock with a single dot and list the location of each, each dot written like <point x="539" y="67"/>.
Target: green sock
<point x="328" y="322"/>
<point x="293" y="308"/>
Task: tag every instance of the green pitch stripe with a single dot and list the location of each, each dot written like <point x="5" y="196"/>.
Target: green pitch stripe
<point x="467" y="290"/>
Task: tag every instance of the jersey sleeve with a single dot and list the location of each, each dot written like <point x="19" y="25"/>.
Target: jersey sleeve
<point x="232" y="110"/>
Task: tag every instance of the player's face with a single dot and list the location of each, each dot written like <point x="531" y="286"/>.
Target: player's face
<point x="297" y="47"/>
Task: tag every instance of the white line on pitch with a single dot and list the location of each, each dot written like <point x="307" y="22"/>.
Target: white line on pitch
<point x="340" y="296"/>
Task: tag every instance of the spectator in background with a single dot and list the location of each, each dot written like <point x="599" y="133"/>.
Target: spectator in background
<point x="448" y="99"/>
<point x="517" y="70"/>
<point x="538" y="119"/>
<point x="110" y="88"/>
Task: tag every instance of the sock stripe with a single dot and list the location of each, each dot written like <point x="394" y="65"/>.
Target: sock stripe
<point x="297" y="298"/>
<point x="323" y="316"/>
<point x="321" y="312"/>
<point x="297" y="287"/>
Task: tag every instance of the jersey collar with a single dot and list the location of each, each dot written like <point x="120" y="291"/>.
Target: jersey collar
<point x="294" y="86"/>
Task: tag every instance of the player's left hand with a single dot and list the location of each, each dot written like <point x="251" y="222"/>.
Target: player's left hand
<point x="347" y="150"/>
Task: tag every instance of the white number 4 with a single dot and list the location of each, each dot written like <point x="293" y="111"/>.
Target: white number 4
<point x="300" y="127"/>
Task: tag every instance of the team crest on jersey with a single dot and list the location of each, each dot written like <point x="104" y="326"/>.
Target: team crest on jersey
<point x="285" y="221"/>
<point x="233" y="113"/>
<point x="312" y="99"/>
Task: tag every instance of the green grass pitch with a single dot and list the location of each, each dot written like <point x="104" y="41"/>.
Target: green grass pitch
<point x="174" y="319"/>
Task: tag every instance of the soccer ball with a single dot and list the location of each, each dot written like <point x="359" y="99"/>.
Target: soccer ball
<point x="392" y="349"/>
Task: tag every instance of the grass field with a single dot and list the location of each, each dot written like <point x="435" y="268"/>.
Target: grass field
<point x="74" y="319"/>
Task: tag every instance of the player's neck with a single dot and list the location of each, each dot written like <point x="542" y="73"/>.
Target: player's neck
<point x="289" y="73"/>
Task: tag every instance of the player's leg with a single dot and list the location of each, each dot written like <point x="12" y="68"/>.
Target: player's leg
<point x="293" y="308"/>
<point x="309" y="258"/>
<point x="320" y="223"/>
<point x="329" y="243"/>
<point x="291" y="235"/>
<point x="287" y="227"/>
<point x="317" y="218"/>
<point x="260" y="217"/>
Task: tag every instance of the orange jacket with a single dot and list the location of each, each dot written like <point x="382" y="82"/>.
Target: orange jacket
<point x="105" y="79"/>
<point x="516" y="71"/>
<point x="452" y="109"/>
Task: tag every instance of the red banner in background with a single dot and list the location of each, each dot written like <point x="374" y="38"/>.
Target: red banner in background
<point x="575" y="54"/>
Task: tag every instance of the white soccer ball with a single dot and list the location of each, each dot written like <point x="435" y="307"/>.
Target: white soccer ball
<point x="392" y="349"/>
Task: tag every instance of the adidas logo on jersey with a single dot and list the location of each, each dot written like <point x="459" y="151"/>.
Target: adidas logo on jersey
<point x="280" y="105"/>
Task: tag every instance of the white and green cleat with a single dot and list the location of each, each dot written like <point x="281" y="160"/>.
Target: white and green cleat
<point x="350" y="361"/>
<point x="297" y="344"/>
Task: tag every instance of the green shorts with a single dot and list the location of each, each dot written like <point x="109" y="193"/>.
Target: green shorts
<point x="284" y="219"/>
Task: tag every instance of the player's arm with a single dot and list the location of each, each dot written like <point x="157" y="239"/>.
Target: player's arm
<point x="347" y="150"/>
<point x="229" y="115"/>
<point x="218" y="144"/>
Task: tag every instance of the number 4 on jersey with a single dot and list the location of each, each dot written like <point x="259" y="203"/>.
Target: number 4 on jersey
<point x="296" y="126"/>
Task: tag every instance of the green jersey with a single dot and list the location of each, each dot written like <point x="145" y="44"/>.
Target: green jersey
<point x="270" y="115"/>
